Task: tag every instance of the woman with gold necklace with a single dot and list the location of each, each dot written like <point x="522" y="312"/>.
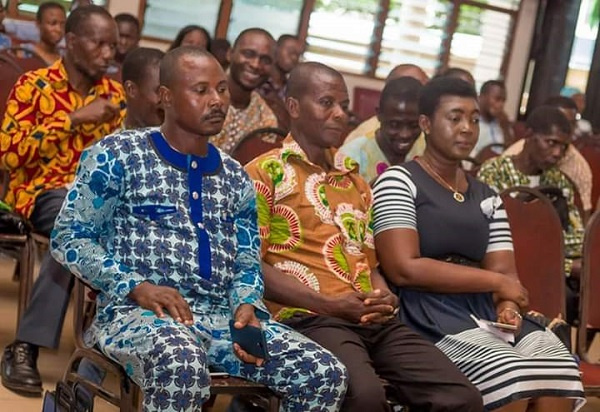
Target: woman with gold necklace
<point x="443" y="238"/>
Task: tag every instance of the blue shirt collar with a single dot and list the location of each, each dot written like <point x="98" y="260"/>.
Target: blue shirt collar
<point x="209" y="164"/>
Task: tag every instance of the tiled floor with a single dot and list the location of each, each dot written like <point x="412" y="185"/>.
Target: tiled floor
<point x="52" y="362"/>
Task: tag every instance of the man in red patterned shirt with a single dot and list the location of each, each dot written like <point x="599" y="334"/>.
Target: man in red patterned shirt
<point x="53" y="114"/>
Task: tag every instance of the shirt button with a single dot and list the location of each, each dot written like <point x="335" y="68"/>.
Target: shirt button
<point x="200" y="225"/>
<point x="195" y="195"/>
<point x="194" y="164"/>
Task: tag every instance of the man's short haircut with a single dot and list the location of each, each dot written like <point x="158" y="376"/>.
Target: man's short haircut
<point x="544" y="118"/>
<point x="487" y="86"/>
<point x="301" y="75"/>
<point x="402" y="89"/>
<point x="249" y="31"/>
<point x="185" y="31"/>
<point x="404" y="67"/>
<point x="137" y="61"/>
<point x="561" y="102"/>
<point x="48" y="5"/>
<point x="285" y="37"/>
<point x="128" y="18"/>
<point x="433" y="91"/>
<point x="79" y="17"/>
<point x="170" y="62"/>
<point x="219" y="44"/>
<point x="458" y="73"/>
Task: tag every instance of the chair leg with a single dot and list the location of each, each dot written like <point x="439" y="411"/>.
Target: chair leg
<point x="273" y="403"/>
<point x="131" y="395"/>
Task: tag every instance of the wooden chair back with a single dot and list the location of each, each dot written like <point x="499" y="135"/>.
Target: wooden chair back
<point x="26" y="58"/>
<point x="589" y="305"/>
<point x="256" y="143"/>
<point x="365" y="102"/>
<point x="489" y="152"/>
<point x="10" y="71"/>
<point x="539" y="249"/>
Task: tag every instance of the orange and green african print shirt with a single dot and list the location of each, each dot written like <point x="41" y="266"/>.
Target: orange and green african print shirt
<point x="314" y="225"/>
<point x="38" y="144"/>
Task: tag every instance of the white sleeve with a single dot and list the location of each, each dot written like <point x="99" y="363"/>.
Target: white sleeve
<point x="500" y="237"/>
<point x="394" y="195"/>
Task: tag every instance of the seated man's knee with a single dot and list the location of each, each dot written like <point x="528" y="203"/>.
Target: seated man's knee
<point x="178" y="363"/>
<point x="365" y="395"/>
<point x="460" y="398"/>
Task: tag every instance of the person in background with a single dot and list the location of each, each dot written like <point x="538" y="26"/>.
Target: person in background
<point x="494" y="126"/>
<point x="129" y="35"/>
<point x="52" y="115"/>
<point x="398" y="115"/>
<point x="174" y="267"/>
<point x="583" y="127"/>
<point x="251" y="58"/>
<point x="5" y="40"/>
<point x="192" y="35"/>
<point x="141" y="84"/>
<point x="50" y="20"/>
<point x="319" y="263"/>
<point x="287" y="55"/>
<point x="220" y="49"/>
<point x="368" y="127"/>
<point x="444" y="240"/>
<point x="459" y="73"/>
<point x="536" y="165"/>
<point x="75" y="4"/>
<point x="572" y="164"/>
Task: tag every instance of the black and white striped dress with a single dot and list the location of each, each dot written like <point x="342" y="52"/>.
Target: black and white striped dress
<point x="537" y="364"/>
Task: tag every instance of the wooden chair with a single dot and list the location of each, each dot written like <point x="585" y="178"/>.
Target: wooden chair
<point x="489" y="152"/>
<point x="256" y="143"/>
<point x="590" y="305"/>
<point x="539" y="248"/>
<point x="365" y="102"/>
<point x="471" y="166"/>
<point x="22" y="249"/>
<point x="26" y="58"/>
<point x="10" y="71"/>
<point x="129" y="397"/>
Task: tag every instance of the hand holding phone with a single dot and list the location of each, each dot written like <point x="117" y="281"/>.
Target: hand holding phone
<point x="499" y="325"/>
<point x="250" y="339"/>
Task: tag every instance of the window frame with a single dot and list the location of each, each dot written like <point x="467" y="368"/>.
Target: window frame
<point x="12" y="11"/>
<point x="372" y="61"/>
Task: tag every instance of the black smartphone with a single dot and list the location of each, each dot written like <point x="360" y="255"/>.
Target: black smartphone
<point x="251" y="339"/>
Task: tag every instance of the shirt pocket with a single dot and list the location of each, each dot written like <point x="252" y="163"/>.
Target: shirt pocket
<point x="153" y="212"/>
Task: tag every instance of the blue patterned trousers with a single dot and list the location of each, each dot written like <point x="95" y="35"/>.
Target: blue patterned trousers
<point x="170" y="361"/>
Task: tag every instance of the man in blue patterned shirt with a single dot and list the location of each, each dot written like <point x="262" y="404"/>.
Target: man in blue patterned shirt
<point x="164" y="226"/>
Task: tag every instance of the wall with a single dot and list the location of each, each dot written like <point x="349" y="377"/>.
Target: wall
<point x="124" y="6"/>
<point x="519" y="61"/>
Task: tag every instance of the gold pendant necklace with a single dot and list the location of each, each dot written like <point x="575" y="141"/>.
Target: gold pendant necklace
<point x="459" y="197"/>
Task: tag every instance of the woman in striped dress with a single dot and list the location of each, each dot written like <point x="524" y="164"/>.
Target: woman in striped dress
<point x="443" y="238"/>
